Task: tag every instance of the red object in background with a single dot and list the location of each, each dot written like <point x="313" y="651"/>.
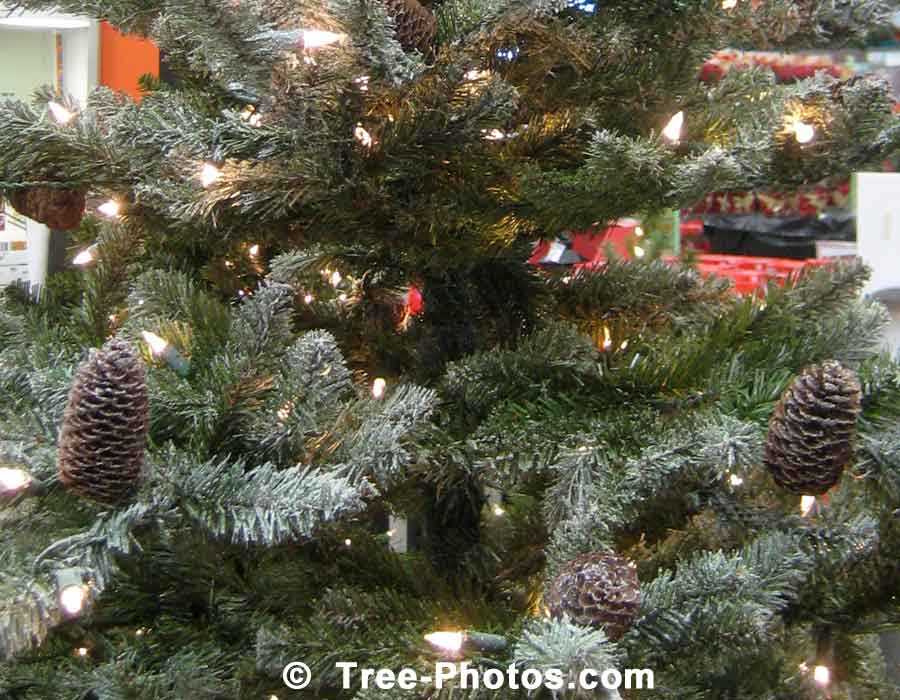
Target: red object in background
<point x="124" y="59"/>
<point x="788" y="68"/>
<point x="415" y="303"/>
<point x="749" y="274"/>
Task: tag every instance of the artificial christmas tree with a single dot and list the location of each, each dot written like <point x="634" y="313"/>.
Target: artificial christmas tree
<point x="275" y="210"/>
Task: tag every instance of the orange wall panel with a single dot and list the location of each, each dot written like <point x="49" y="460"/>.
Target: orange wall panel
<point x="124" y="59"/>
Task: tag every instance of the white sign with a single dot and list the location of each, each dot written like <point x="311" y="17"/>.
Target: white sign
<point x="878" y="229"/>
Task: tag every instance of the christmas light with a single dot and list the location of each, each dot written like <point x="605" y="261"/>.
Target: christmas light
<point x="348" y="542"/>
<point x="72" y="591"/>
<point x="498" y="511"/>
<point x="639" y="252"/>
<point x="335" y="278"/>
<point x="309" y="298"/>
<point x="157" y="345"/>
<point x="607" y="338"/>
<point x="729" y="4"/>
<point x="624" y="345"/>
<point x="806" y="504"/>
<point x="379" y="386"/>
<point x="803" y="132"/>
<point x="110" y="209"/>
<point x="164" y="350"/>
<point x="317" y="38"/>
<point x="81" y="651"/>
<point x="363" y="83"/>
<point x="363" y="136"/>
<point x="209" y="174"/>
<point x="673" y="129"/>
<point x="13" y="479"/>
<point x="822" y="675"/>
<point x="254" y="250"/>
<point x="639" y="232"/>
<point x="476" y="74"/>
<point x="493" y="135"/>
<point x="86" y="256"/>
<point x="285" y="411"/>
<point x="60" y="113"/>
<point x="453" y="642"/>
<point x="342" y="297"/>
<point x="735" y="480"/>
<point x="448" y="641"/>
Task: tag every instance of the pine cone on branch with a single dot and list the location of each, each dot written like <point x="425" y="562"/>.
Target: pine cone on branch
<point x="813" y="429"/>
<point x="58" y="208"/>
<point x="415" y="25"/>
<point x="597" y="590"/>
<point x="104" y="430"/>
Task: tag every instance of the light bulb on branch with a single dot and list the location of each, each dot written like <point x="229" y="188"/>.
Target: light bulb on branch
<point x="456" y="642"/>
<point x="803" y="132"/>
<point x="254" y="250"/>
<point x="317" y="38"/>
<point x="110" y="209"/>
<point x="72" y="591"/>
<point x="729" y="4"/>
<point x="379" y="386"/>
<point x="822" y="675"/>
<point x="13" y="480"/>
<point x="806" y="504"/>
<point x="209" y="173"/>
<point x="672" y="132"/>
<point x="168" y="353"/>
<point x="60" y="113"/>
<point x="86" y="256"/>
<point x="364" y="137"/>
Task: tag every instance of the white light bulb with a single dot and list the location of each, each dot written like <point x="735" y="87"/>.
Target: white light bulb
<point x="735" y="480"/>
<point x="316" y="38"/>
<point x="607" y="338"/>
<point x="449" y="641"/>
<point x="157" y="345"/>
<point x="254" y="250"/>
<point x="348" y="542"/>
<point x="476" y="74"/>
<point x="498" y="511"/>
<point x="336" y="278"/>
<point x="309" y="299"/>
<point x="13" y="479"/>
<point x="60" y="113"/>
<point x="342" y="297"/>
<point x="806" y="504"/>
<point x="639" y="252"/>
<point x="379" y="386"/>
<point x="822" y="675"/>
<point x="673" y="129"/>
<point x="363" y="136"/>
<point x="85" y="257"/>
<point x="209" y="174"/>
<point x="71" y="598"/>
<point x="729" y="4"/>
<point x="494" y="135"/>
<point x="110" y="209"/>
<point x="624" y="345"/>
<point x="82" y="651"/>
<point x="639" y="232"/>
<point x="803" y="132"/>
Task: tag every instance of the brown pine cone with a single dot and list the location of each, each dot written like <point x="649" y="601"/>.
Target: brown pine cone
<point x="597" y="590"/>
<point x="812" y="433"/>
<point x="104" y="431"/>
